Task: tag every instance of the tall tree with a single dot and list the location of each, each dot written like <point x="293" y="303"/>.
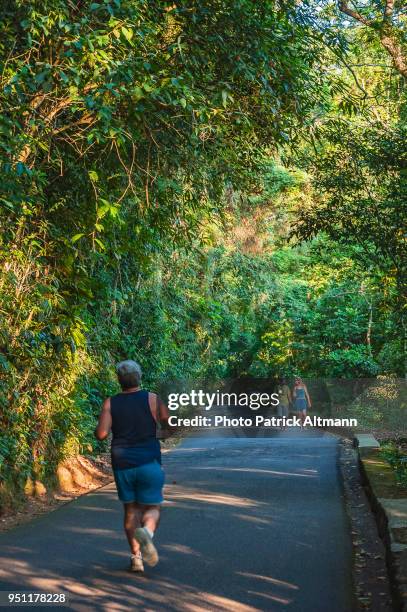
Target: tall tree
<point x="386" y="21"/>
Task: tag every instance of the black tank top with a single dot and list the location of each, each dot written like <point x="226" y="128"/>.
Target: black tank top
<point x="134" y="430"/>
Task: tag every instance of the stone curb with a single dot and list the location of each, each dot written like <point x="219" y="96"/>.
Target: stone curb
<point x="389" y="503"/>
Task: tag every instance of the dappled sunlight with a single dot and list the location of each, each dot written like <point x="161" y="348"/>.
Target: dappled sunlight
<point x="106" y="533"/>
<point x="98" y="509"/>
<point x="231" y="539"/>
<point x="69" y="586"/>
<point x="220" y="603"/>
<point x="252" y="519"/>
<point x="108" y="586"/>
<point x="14" y="566"/>
<point x="281" y="600"/>
<point x="282" y="583"/>
<point x="127" y="591"/>
<point x="178" y="493"/>
<point x="257" y="471"/>
<point x="271" y="585"/>
<point x="179" y="548"/>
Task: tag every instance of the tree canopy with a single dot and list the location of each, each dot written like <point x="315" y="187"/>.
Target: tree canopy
<point x="213" y="188"/>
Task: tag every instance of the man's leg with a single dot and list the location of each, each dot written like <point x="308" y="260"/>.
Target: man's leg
<point x="132" y="520"/>
<point x="150" y="517"/>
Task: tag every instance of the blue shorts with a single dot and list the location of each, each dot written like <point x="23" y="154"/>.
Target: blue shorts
<point x="142" y="484"/>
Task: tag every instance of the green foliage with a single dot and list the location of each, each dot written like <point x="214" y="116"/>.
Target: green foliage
<point x="148" y="199"/>
<point x="121" y="125"/>
<point x="381" y="405"/>
<point x="397" y="459"/>
<point x="362" y="178"/>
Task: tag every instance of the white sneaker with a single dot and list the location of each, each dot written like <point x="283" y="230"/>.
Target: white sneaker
<point x="136" y="563"/>
<point x="148" y="550"/>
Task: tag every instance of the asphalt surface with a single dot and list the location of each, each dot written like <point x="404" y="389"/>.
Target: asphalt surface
<point x="249" y="524"/>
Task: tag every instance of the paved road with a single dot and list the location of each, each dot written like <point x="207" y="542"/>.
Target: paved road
<point x="249" y="524"/>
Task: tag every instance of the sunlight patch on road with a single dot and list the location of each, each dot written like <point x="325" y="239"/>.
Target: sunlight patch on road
<point x="107" y="533"/>
<point x="177" y="493"/>
<point x="281" y="600"/>
<point x="257" y="471"/>
<point x="219" y="603"/>
<point x="180" y="548"/>
<point x="17" y="567"/>
<point x="275" y="581"/>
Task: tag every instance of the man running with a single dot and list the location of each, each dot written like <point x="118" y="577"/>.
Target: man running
<point x="132" y="417"/>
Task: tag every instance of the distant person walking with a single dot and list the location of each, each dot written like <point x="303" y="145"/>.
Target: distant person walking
<point x="132" y="417"/>
<point x="301" y="399"/>
<point x="284" y="398"/>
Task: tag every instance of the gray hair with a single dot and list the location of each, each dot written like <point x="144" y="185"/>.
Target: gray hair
<point x="128" y="373"/>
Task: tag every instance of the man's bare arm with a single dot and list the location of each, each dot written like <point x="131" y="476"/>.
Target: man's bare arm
<point x="105" y="421"/>
<point x="164" y="415"/>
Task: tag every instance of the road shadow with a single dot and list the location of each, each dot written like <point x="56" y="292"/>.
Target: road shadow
<point x="246" y="524"/>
